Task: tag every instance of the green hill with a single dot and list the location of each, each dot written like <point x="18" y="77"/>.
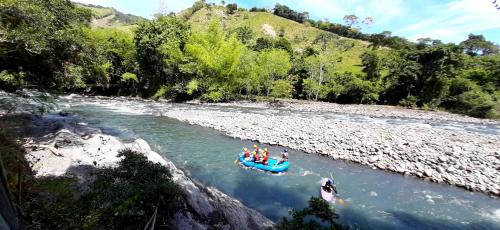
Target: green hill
<point x="301" y="35"/>
<point x="106" y="17"/>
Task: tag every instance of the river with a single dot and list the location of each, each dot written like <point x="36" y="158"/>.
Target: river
<point x="374" y="199"/>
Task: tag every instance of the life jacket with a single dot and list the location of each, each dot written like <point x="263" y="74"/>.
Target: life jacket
<point x="256" y="156"/>
<point x="266" y="157"/>
<point x="247" y="154"/>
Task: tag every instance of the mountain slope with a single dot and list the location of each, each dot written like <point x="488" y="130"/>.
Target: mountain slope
<point x="110" y="17"/>
<point x="265" y="24"/>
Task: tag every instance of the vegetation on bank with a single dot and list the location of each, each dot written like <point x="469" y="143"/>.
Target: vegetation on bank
<point x="134" y="195"/>
<point x="49" y="45"/>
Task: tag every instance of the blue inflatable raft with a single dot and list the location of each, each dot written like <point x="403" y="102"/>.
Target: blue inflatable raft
<point x="269" y="167"/>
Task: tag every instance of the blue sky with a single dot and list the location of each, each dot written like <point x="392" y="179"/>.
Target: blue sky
<point x="447" y="20"/>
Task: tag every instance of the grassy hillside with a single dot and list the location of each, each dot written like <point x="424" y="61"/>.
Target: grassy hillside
<point x="110" y="17"/>
<point x="266" y="24"/>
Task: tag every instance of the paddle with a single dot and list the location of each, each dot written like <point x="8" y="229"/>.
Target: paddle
<point x="341" y="201"/>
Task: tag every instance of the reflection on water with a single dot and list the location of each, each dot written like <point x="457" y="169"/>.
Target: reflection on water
<point x="375" y="199"/>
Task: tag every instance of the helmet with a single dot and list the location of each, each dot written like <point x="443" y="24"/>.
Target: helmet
<point x="255" y="146"/>
<point x="285" y="150"/>
<point x="265" y="149"/>
<point x="245" y="149"/>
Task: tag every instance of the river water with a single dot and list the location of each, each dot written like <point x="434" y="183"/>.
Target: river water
<point x="374" y="199"/>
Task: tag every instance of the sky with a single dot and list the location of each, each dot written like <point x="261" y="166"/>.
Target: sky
<point x="446" y="20"/>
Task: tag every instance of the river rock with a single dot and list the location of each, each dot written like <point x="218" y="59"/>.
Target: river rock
<point x="206" y="207"/>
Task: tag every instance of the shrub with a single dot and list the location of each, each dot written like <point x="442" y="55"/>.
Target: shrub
<point x="125" y="197"/>
<point x="192" y="87"/>
<point x="461" y="85"/>
<point x="129" y="77"/>
<point x="370" y="98"/>
<point x="282" y="89"/>
<point x="9" y="80"/>
<point x="475" y="103"/>
<point x="231" y="8"/>
<point x="308" y="217"/>
<point x="410" y="102"/>
<point x="160" y="93"/>
<point x="214" y="96"/>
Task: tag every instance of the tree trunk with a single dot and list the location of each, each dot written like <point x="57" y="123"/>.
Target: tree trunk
<point x="320" y="80"/>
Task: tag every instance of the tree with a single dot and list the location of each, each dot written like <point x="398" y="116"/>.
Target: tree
<point x="215" y="58"/>
<point x="42" y="38"/>
<point x="231" y="8"/>
<point x="402" y="78"/>
<point x="263" y="44"/>
<point x="368" y="21"/>
<point x="273" y="64"/>
<point x="317" y="208"/>
<point x="282" y="89"/>
<point x="286" y="12"/>
<point x="319" y="69"/>
<point x="371" y="65"/>
<point x="478" y="45"/>
<point x="244" y="34"/>
<point x="351" y="20"/>
<point x="158" y="44"/>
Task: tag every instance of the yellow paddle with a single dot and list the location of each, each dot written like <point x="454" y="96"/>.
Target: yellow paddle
<point x="341" y="201"/>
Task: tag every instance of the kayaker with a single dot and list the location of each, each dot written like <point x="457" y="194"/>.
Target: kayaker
<point x="330" y="183"/>
<point x="265" y="156"/>
<point x="284" y="157"/>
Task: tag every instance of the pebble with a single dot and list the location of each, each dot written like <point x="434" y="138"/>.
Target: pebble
<point x="425" y="152"/>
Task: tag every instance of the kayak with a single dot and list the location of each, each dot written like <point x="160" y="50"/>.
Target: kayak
<point x="328" y="196"/>
<point x="270" y="167"/>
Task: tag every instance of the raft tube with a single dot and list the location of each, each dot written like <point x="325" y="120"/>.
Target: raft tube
<point x="269" y="167"/>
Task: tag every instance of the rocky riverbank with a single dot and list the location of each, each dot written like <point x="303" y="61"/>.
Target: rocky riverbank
<point x="466" y="159"/>
<point x="59" y="144"/>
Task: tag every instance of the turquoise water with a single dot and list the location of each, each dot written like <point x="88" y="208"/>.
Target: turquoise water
<point x="374" y="199"/>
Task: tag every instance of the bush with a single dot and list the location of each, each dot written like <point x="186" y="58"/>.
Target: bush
<point x="214" y="96"/>
<point x="10" y="81"/>
<point x="318" y="209"/>
<point x="255" y="9"/>
<point x="282" y="89"/>
<point x="129" y="77"/>
<point x="231" y="8"/>
<point x="461" y="85"/>
<point x="125" y="197"/>
<point x="475" y="103"/>
<point x="370" y="98"/>
<point x="72" y="77"/>
<point x="409" y="102"/>
<point x="192" y="87"/>
<point x="160" y="93"/>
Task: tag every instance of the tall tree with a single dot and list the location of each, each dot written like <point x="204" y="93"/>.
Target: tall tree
<point x="158" y="42"/>
<point x="371" y="65"/>
<point x="273" y="65"/>
<point x="478" y="45"/>
<point x="215" y="57"/>
<point x="351" y="20"/>
<point x="43" y="38"/>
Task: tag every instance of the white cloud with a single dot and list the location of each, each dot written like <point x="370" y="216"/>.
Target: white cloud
<point x="456" y="20"/>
